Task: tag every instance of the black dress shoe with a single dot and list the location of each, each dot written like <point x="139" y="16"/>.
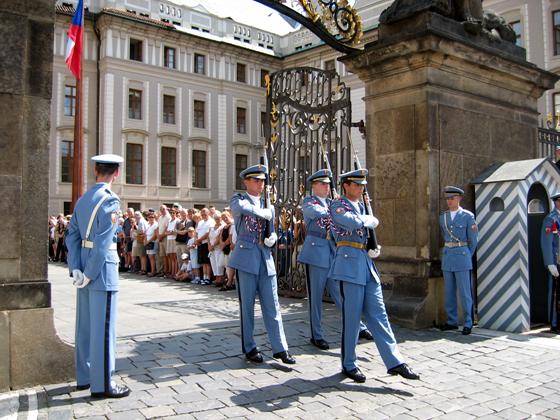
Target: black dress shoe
<point x="82" y="387"/>
<point x="366" y="335"/>
<point x="466" y="331"/>
<point x="286" y="357"/>
<point x="118" y="391"/>
<point x="404" y="370"/>
<point x="254" y="356"/>
<point x="355" y="374"/>
<point x="322" y="344"/>
<point x="448" y="327"/>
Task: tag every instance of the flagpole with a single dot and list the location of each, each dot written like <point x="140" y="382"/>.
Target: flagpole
<point x="77" y="173"/>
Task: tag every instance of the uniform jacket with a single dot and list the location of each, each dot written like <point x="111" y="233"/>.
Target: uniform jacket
<point x="249" y="249"/>
<point x="549" y="237"/>
<point x="317" y="249"/>
<point x="462" y="229"/>
<point x="99" y="264"/>
<point x="350" y="263"/>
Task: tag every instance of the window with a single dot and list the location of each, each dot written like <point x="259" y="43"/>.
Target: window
<point x="199" y="169"/>
<point x="133" y="205"/>
<point x="199" y="64"/>
<point x="241" y="121"/>
<point x="169" y="57"/>
<point x="169" y="109"/>
<point x="69" y="100"/>
<point x="329" y="65"/>
<point x="264" y="73"/>
<point x="240" y="164"/>
<point x="517" y="29"/>
<point x="66" y="160"/>
<point x="135" y="104"/>
<point x="135" y="49"/>
<point x="263" y="124"/>
<point x="241" y="73"/>
<point x="556" y="105"/>
<point x="556" y="24"/>
<point x="133" y="163"/>
<point x="67" y="207"/>
<point x="169" y="166"/>
<point x="198" y="114"/>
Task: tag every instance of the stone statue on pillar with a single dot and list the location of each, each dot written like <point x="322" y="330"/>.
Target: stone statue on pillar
<point x="469" y="12"/>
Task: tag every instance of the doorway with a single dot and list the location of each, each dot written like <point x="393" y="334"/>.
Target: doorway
<point x="537" y="209"/>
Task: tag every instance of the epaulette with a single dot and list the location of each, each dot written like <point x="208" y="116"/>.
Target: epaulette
<point x="240" y="196"/>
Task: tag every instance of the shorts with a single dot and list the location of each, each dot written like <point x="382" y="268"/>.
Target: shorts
<point x="170" y="247"/>
<point x="194" y="259"/>
<point x="138" y="251"/>
<point x="162" y="248"/>
<point x="203" y="254"/>
<point x="181" y="248"/>
<point x="128" y="246"/>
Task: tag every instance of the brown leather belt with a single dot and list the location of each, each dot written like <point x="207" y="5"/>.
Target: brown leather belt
<point x="455" y="244"/>
<point x="351" y="244"/>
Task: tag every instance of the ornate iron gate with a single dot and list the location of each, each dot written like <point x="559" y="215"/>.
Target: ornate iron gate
<point x="309" y="110"/>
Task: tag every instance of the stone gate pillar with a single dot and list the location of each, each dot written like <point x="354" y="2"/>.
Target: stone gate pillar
<point x="30" y="351"/>
<point x="441" y="106"/>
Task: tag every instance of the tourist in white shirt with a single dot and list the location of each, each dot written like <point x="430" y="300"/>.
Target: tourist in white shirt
<point x="215" y="248"/>
<point x="151" y="243"/>
<point x="171" y="246"/>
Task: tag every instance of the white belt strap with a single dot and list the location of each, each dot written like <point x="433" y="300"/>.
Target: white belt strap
<point x="87" y="243"/>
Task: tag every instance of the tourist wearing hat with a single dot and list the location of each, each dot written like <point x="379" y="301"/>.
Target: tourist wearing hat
<point x="550" y="249"/>
<point x="94" y="264"/>
<point x="317" y="254"/>
<point x="256" y="273"/>
<point x="359" y="281"/>
<point x="459" y="231"/>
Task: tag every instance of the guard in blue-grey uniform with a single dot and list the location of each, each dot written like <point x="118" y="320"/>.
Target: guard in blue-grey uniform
<point x="94" y="265"/>
<point x="318" y="253"/>
<point x="551" y="254"/>
<point x="459" y="231"/>
<point x="256" y="273"/>
<point x="360" y="285"/>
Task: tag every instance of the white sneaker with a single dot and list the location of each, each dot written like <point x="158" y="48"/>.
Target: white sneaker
<point x="196" y="281"/>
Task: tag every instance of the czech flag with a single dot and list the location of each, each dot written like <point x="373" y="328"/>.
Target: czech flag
<point x="75" y="38"/>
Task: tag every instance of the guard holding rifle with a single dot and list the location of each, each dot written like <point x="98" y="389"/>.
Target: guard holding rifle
<point x="551" y="254"/>
<point x="360" y="285"/>
<point x="460" y="236"/>
<point x="318" y="252"/>
<point x="256" y="273"/>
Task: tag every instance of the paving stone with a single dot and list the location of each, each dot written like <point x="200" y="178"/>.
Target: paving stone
<point x="156" y="412"/>
<point x="126" y="415"/>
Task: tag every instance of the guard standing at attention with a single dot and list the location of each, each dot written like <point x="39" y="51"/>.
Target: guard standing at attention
<point x="460" y="232"/>
<point x="360" y="284"/>
<point x="94" y="264"/>
<point x="256" y="273"/>
<point x="551" y="254"/>
<point x="318" y="253"/>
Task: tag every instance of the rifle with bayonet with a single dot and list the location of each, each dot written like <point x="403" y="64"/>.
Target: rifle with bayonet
<point x="372" y="244"/>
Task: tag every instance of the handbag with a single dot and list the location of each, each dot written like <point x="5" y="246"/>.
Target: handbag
<point x="149" y="246"/>
<point x="140" y="237"/>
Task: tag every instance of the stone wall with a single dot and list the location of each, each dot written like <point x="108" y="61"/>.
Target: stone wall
<point x="30" y="351"/>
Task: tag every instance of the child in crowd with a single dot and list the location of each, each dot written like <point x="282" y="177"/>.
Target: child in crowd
<point x="185" y="271"/>
<point x="192" y="248"/>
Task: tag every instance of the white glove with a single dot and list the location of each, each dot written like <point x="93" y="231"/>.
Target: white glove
<point x="370" y="221"/>
<point x="80" y="280"/>
<point x="374" y="253"/>
<point x="271" y="240"/>
<point x="553" y="270"/>
<point x="264" y="213"/>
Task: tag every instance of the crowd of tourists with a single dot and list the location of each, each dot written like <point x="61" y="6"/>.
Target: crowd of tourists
<point x="187" y="245"/>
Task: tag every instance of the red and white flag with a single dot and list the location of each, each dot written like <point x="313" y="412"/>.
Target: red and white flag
<point x="75" y="39"/>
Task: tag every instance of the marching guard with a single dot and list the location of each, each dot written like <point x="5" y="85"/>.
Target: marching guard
<point x="359" y="280"/>
<point x="94" y="265"/>
<point x="551" y="254"/>
<point x="318" y="253"/>
<point x="256" y="273"/>
<point x="460" y="232"/>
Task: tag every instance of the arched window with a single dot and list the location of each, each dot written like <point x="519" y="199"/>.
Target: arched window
<point x="496" y="204"/>
<point x="535" y="206"/>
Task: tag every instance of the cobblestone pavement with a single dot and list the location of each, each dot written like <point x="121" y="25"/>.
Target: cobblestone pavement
<point x="179" y="352"/>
